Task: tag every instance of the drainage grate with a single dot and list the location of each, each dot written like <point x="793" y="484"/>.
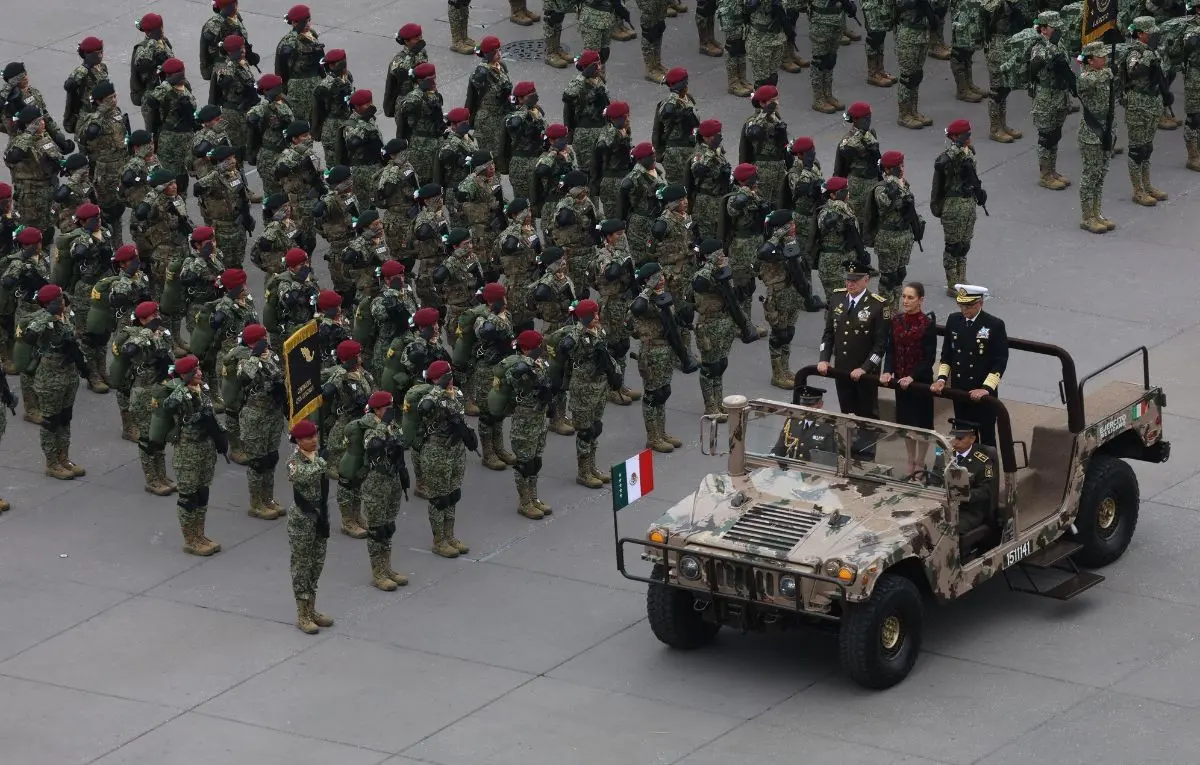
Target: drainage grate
<point x="523" y="50"/>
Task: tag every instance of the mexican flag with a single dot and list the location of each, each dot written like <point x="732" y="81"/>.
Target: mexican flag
<point x="632" y="479"/>
<point x="1139" y="410"/>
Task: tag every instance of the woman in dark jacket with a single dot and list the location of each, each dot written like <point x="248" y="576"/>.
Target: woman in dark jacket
<point x="910" y="354"/>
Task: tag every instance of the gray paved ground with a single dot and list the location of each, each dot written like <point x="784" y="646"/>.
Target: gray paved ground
<point x="115" y="647"/>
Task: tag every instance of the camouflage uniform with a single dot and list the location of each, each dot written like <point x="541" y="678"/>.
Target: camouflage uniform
<point x="299" y="174"/>
<point x="916" y="21"/>
<point x="715" y="330"/>
<point x="362" y="256"/>
<point x="196" y="273"/>
<point x="596" y="20"/>
<point x="390" y="314"/>
<point x="148" y="354"/>
<point x="1052" y="81"/>
<point x="708" y="182"/>
<point x="858" y="162"/>
<point x="165" y="226"/>
<point x="345" y="393"/>
<point x="1002" y="19"/>
<point x="134" y="186"/>
<point x="592" y="372"/>
<point x="450" y="166"/>
<point x="481" y="208"/>
<point x="419" y="118"/>
<point x="837" y="239"/>
<point x="277" y="238"/>
<point x="298" y="62"/>
<point x="488" y="91"/>
<point x="265" y="124"/>
<point x="610" y="163"/>
<point x="734" y="19"/>
<point x="225" y="205"/>
<point x="494" y="338"/>
<point x="289" y="302"/>
<point x="1141" y="73"/>
<point x="102" y="136"/>
<point x="261" y="423"/>
<point x="186" y="418"/>
<point x="526" y="380"/>
<point x="878" y="20"/>
<point x="425" y="242"/>
<point x="399" y="82"/>
<point x="75" y="190"/>
<point x="456" y="280"/>
<point x="803" y="196"/>
<point x="956" y="191"/>
<point x="359" y="147"/>
<point x="584" y="102"/>
<point x="547" y="172"/>
<point x="1191" y="90"/>
<point x="213" y="33"/>
<point x="229" y="317"/>
<point x="59" y="363"/>
<point x="674" y="236"/>
<point x="334" y="216"/>
<point x="893" y="237"/>
<point x="331" y="109"/>
<point x="33" y="164"/>
<point x="572" y="227"/>
<point x="233" y="89"/>
<point x="967" y="36"/>
<point x="764" y="144"/>
<point x="650" y="313"/>
<point x="204" y="141"/>
<point x="639" y="207"/>
<point x="615" y="284"/>
<point x="144" y="60"/>
<point x="524" y="128"/>
<point x="827" y="20"/>
<point x="84" y="258"/>
<point x="745" y="210"/>
<point x="23" y="276"/>
<point x="79" y="86"/>
<point x="674" y="140"/>
<point x="174" y="123"/>
<point x="765" y="41"/>
<point x="308" y="531"/>
<point x="394" y="200"/>
<point x="518" y="246"/>
<point x="13" y="99"/>
<point x="443" y="463"/>
<point x="1093" y="87"/>
<point x="786" y="278"/>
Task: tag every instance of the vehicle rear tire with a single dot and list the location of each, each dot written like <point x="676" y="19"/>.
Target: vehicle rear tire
<point x="674" y="619"/>
<point x="1108" y="511"/>
<point x="879" y="640"/>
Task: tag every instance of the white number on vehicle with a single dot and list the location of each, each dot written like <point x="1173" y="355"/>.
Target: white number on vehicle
<point x="1018" y="554"/>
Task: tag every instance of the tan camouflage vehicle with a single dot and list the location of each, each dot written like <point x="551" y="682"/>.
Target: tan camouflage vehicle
<point x="802" y="528"/>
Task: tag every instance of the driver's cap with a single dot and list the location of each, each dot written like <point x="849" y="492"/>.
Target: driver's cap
<point x="808" y="396"/>
<point x="959" y="427"/>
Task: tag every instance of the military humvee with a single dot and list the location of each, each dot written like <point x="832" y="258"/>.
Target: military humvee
<point x="857" y="527"/>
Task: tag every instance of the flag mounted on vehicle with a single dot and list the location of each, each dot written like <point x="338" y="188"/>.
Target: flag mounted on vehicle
<point x="302" y="372"/>
<point x="632" y="479"/>
<point x="1099" y="18"/>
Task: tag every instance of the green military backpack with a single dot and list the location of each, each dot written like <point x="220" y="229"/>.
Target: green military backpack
<point x="122" y="365"/>
<point x="1072" y="30"/>
<point x="231" y="384"/>
<point x="203" y="337"/>
<point x="365" y="330"/>
<point x="24" y="355"/>
<point x="172" y="295"/>
<point x="163" y="427"/>
<point x="411" y="425"/>
<point x="967" y="25"/>
<point x="353" y="459"/>
<point x="100" y="319"/>
<point x="558" y="364"/>
<point x="869" y="225"/>
<point x="464" y="336"/>
<point x="1170" y="46"/>
<point x="1014" y="64"/>
<point x="500" y="397"/>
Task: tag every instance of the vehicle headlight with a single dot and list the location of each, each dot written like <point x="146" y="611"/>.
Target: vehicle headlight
<point x="689" y="567"/>
<point x="836" y="569"/>
<point x="831" y="567"/>
<point x="787" y="586"/>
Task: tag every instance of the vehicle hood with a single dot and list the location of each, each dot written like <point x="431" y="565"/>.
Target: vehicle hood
<point x="804" y="517"/>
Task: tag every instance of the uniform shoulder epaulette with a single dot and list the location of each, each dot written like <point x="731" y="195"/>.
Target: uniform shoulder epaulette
<point x="839" y="289"/>
<point x="879" y="297"/>
<point x="981" y="456"/>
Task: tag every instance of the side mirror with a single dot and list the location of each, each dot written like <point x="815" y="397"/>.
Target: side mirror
<point x="958" y="483"/>
<point x="710" y="431"/>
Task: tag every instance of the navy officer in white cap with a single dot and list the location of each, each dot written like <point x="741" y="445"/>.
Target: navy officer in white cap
<point x="974" y="357"/>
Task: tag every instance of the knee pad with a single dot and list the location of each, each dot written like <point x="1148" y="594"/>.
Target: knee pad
<point x="1050" y="138"/>
<point x="901" y="274"/>
<point x="202" y="496"/>
<point x="257" y="464"/>
<point x="272" y="459"/>
<point x="598" y="428"/>
<point x="659" y="30"/>
<point x="711" y="370"/>
<point x="1193" y="121"/>
<point x="962" y="55"/>
<point x="94" y="340"/>
<point x="528" y="469"/>
<point x="781" y="338"/>
<point x="453" y="497"/>
<point x="587" y="435"/>
<point x="876" y="39"/>
<point x="389" y="529"/>
<point x="706" y="8"/>
<point x="378" y="533"/>
<point x="957" y="249"/>
<point x="605" y="52"/>
<point x="735" y="47"/>
<point x="66" y="415"/>
<point x="1001" y="95"/>
<point x="620" y="348"/>
<point x="912" y="80"/>
<point x="187" y="502"/>
<point x="554" y="18"/>
<point x="1140" y="153"/>
<point x="887" y="280"/>
<point x="658" y="396"/>
<point x="829" y="60"/>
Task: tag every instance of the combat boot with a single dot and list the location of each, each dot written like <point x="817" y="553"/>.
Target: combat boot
<point x="827" y="83"/>
<point x="851" y="34"/>
<point x="304" y="620"/>
<point x="460" y="42"/>
<point x="537" y="501"/>
<point x="1158" y="194"/>
<point x="780" y="376"/>
<point x="556" y="56"/>
<point x="319" y="618"/>
<point x="741" y="73"/>
<point x="419" y="492"/>
<point x="156" y="487"/>
<point x="652" y="58"/>
<point x="654" y="435"/>
<point x="583" y="476"/>
<point x="1139" y="194"/>
<point x="207" y="547"/>
<point x="662" y="427"/>
<point x="951" y="280"/>
<point x="705" y="29"/>
<point x="602" y="477"/>
<point x="789" y="64"/>
<point x="1048" y="180"/>
<point x="525" y="504"/>
<point x="33" y="411"/>
<point x="962" y="83"/>
<point x="192" y="544"/>
<point x="908" y="117"/>
<point x="735" y="85"/>
<point x="95" y="382"/>
<point x="916" y="112"/>
<point x="379" y="573"/>
<point x="443" y="548"/>
<point x="258" y="508"/>
<point x="1193" y="153"/>
<point x="471" y="409"/>
<point x="623" y="31"/>
<point x="996" y="130"/>
<point x="1090" y="222"/>
<point x="561" y="425"/>
<point x="400" y="579"/>
<point x="56" y="470"/>
<point x="452" y="540"/>
<point x="937" y="46"/>
<point x="129" y="430"/>
<point x="160" y="474"/>
<point x="489" y="458"/>
<point x="819" y="104"/>
<point x="678" y="6"/>
<point x="520" y="15"/>
<point x="1108" y="224"/>
<point x="352" y="522"/>
<point x="876" y="75"/>
<point x="619" y="398"/>
<point x="1167" y="122"/>
<point x="3" y="506"/>
<point x="632" y="394"/>
<point x="1012" y="131"/>
<point x="507" y="457"/>
<point x="65" y="462"/>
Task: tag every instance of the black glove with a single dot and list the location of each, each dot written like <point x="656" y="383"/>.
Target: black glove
<point x="980" y="196"/>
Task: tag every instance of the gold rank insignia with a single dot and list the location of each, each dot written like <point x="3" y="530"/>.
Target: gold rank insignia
<point x="495" y="383"/>
<point x="962" y="293"/>
<point x="405" y="407"/>
<point x="95" y="294"/>
<point x="17" y="331"/>
<point x="153" y="403"/>
<point x="987" y="472"/>
<point x="391" y="352"/>
<point x="981" y="456"/>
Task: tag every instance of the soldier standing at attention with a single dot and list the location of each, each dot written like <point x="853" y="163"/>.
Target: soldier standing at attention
<point x="521" y="393"/>
<point x="334" y="215"/>
<point x="458" y="13"/>
<point x="185" y="416"/>
<point x="57" y="364"/>
<point x="494" y="337"/>
<point x="708" y="178"/>
<point x="331" y="107"/>
<point x="974" y="358"/>
<point x="425" y="242"/>
<point x="610" y="160"/>
<point x="968" y="26"/>
<point x="803" y="193"/>
<point x="519" y="247"/>
<point x="225" y="204"/>
<point x="706" y="28"/>
<point x="366" y="252"/>
<point x="298" y="61"/>
<point x="764" y="142"/>
<point x="584" y="100"/>
<point x="457" y="278"/>
<point x="675" y="124"/>
<point x="857" y="158"/>
<point x="733" y="18"/>
<point x="615" y="283"/>
<point x="854" y="340"/>
<point x="1144" y="86"/>
<point x="360" y="144"/>
<point x="395" y="197"/>
<point x="224" y="22"/>
<point x="232" y="88"/>
<point x="673" y="246"/>
<point x="596" y="21"/>
<point x="162" y="217"/>
<point x="788" y="283"/>
<point x="419" y="119"/>
<point x="33" y="158"/>
<point x="147" y="56"/>
<point x="210" y="134"/>
<point x="145" y="348"/>
<point x="639" y="201"/>
<point x="1002" y="19"/>
<point x="401" y="71"/>
<point x="279" y="235"/>
<point x="455" y="146"/>
<point x="878" y="20"/>
<point x="102" y="136"/>
<point x="481" y="204"/>
<point x="389" y="315"/>
<point x="289" y="297"/>
<point x="956" y="192"/>
<point x="192" y="276"/>
<point x="573" y="228"/>
<point x="552" y="295"/>
<point x="836" y="237"/>
<point x="90" y="73"/>
<point x="308" y="523"/>
<point x="916" y="23"/>
<point x="592" y="372"/>
<point x="1052" y="81"/>
<point x="261" y="418"/>
<point x="765" y="40"/>
<point x="174" y="108"/>
<point x="654" y="25"/>
<point x="1095" y="144"/>
<point x="892" y="227"/>
<point x="135" y="182"/>
<point x="84" y="257"/>
<point x="25" y="274"/>
<point x="525" y="128"/>
<point x="300" y="175"/>
<point x="718" y="318"/>
<point x="265" y="124"/>
<point x="653" y="315"/>
<point x="488" y="92"/>
<point x="218" y="326"/>
<point x="76" y="189"/>
<point x="827" y="22"/>
<point x="446" y="439"/>
<point x="558" y="159"/>
<point x="345" y="389"/>
<point x="742" y="232"/>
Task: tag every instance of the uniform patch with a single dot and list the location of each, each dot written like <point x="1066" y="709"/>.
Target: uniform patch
<point x="981" y="456"/>
<point x="983" y="334"/>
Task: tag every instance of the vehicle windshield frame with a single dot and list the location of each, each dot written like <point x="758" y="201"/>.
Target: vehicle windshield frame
<point x="843" y="425"/>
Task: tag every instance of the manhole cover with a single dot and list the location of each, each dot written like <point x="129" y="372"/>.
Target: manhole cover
<point x="524" y="50"/>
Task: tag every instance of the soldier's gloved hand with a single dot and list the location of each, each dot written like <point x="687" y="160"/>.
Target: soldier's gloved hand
<point x="980" y="197"/>
<point x="688" y="366"/>
<point x="11" y="401"/>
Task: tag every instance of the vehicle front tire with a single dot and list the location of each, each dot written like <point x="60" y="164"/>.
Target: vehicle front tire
<point x="879" y="640"/>
<point x="674" y="619"/>
<point x="1108" y="511"/>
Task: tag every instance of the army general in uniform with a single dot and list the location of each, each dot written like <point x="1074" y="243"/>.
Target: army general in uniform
<point x="854" y="339"/>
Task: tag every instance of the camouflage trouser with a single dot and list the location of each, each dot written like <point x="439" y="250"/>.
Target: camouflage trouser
<point x="55" y="387"/>
<point x="107" y="178"/>
<point x="308" y="552"/>
<point x="1091" y="177"/>
<point x="653" y="20"/>
<point x="609" y="195"/>
<point x="764" y="51"/>
<point x="743" y="256"/>
<point x="32" y="199"/>
<point x="347" y="496"/>
<point x="337" y="269"/>
<point x="260" y="431"/>
<point x="302" y="213"/>
<point x="675" y="161"/>
<point x="781" y="310"/>
<point x="772" y="174"/>
<point x="422" y="150"/>
<point x="1049" y="114"/>
<point x="877" y="22"/>
<point x="637" y="231"/>
<point x="367" y="177"/>
<point x="527" y="438"/>
<point x="299" y="92"/>
<point x="958" y="228"/>
<point x="442" y="466"/>
<point x="426" y="292"/>
<point x="1141" y="123"/>
<point x="706" y="214"/>
<point x="893" y="249"/>
<point x="231" y="241"/>
<point x="831" y="265"/>
<point x="588" y="398"/>
<point x="656" y="365"/>
<point x="175" y="154"/>
<point x="489" y="131"/>
<point x="380" y="492"/>
<point x="519" y="311"/>
<point x="584" y="142"/>
<point x="194" y="463"/>
<point x="612" y="319"/>
<point x="520" y="174"/>
<point x="142" y="409"/>
<point x="479" y="382"/>
<point x="825" y="36"/>
<point x="857" y="190"/>
<point x="912" y="46"/>
<point x="1191" y="106"/>
<point x="328" y="139"/>
<point x="714" y="338"/>
<point x="267" y="160"/>
<point x="595" y="27"/>
<point x="235" y="128"/>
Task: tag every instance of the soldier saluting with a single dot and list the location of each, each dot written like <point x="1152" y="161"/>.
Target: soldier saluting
<point x="974" y="357"/>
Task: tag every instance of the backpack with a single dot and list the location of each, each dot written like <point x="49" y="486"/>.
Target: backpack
<point x="353" y="458"/>
<point x="558" y="364"/>
<point x="500" y="397"/>
<point x="202" y="338"/>
<point x="1072" y="32"/>
<point x="119" y="369"/>
<point x="411" y="425"/>
<point x="163" y="427"/>
<point x="870" y="221"/>
<point x="365" y="330"/>
<point x="100" y="319"/>
<point x="1014" y="65"/>
<point x="231" y="384"/>
<point x="271" y="312"/>
<point x="24" y="356"/>
<point x="465" y="340"/>
<point x="1170" y="46"/>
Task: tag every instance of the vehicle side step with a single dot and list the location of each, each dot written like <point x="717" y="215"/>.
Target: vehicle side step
<point x="1048" y="557"/>
<point x="1065" y="590"/>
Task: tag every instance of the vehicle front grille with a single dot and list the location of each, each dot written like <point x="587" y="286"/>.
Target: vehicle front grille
<point x="738" y="578"/>
<point x="773" y="526"/>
